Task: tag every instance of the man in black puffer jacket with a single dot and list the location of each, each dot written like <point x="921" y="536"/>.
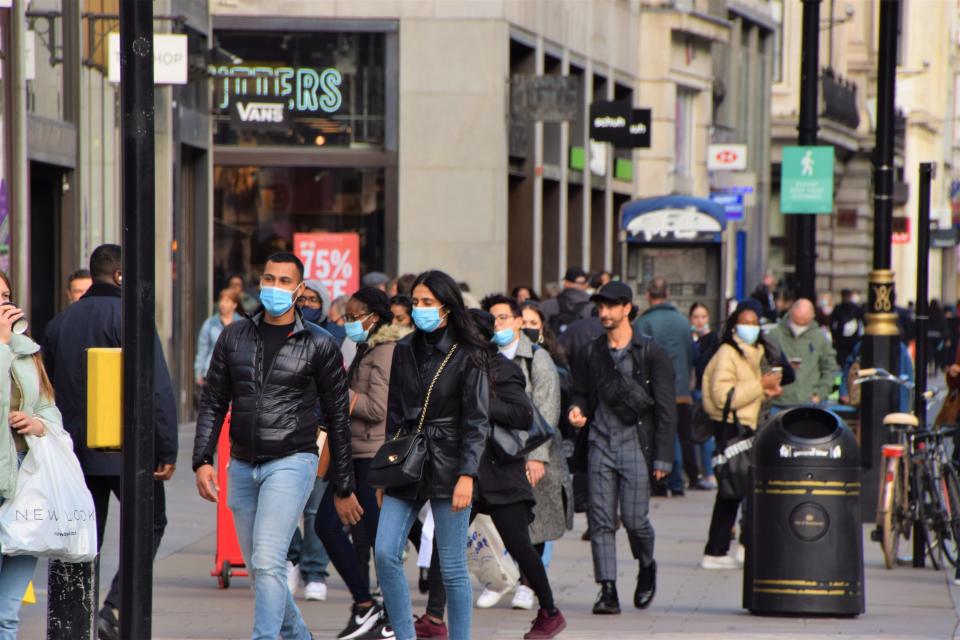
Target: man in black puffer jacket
<point x="276" y="371"/>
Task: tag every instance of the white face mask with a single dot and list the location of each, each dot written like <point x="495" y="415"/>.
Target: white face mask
<point x="798" y="330"/>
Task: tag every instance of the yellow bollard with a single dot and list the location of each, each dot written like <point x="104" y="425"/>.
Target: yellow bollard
<point x="104" y="398"/>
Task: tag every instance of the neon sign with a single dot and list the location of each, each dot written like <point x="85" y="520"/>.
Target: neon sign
<point x="302" y="89"/>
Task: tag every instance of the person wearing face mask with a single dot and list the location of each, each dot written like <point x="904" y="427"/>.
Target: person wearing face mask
<point x="735" y="372"/>
<point x="705" y="344"/>
<point x="847" y="324"/>
<point x="809" y="352"/>
<point x="281" y="378"/>
<point x="228" y="304"/>
<point x="315" y="303"/>
<point x="446" y="359"/>
<point x="368" y="323"/>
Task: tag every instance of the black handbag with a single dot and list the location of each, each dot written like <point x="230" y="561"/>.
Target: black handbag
<point x="399" y="462"/>
<point x="513" y="444"/>
<point x="731" y="463"/>
<point x="701" y="424"/>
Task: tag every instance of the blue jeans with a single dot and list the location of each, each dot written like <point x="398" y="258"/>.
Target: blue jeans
<point x="306" y="551"/>
<point x="266" y="500"/>
<point x="450" y="533"/>
<point x="15" y="575"/>
<point x="675" y="479"/>
<point x="707" y="450"/>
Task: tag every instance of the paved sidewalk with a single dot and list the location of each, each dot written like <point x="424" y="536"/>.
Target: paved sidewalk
<point x="691" y="603"/>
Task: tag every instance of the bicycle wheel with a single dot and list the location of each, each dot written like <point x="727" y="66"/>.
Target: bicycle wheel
<point x="888" y="517"/>
<point x="931" y="516"/>
<point x="950" y="494"/>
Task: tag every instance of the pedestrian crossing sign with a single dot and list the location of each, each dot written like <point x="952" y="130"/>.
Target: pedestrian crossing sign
<point x="806" y="180"/>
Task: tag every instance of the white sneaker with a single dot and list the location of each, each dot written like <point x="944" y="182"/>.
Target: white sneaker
<point x="294" y="581"/>
<point x="315" y="591"/>
<point x="523" y="598"/>
<point x="719" y="562"/>
<point x="489" y="598"/>
<point x="740" y="554"/>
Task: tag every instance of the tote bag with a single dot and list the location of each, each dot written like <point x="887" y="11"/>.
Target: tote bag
<point x="487" y="557"/>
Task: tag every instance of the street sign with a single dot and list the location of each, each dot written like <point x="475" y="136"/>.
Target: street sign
<point x="731" y="201"/>
<point x="332" y="258"/>
<point x="727" y="157"/>
<point x="169" y="58"/>
<point x="900" y="230"/>
<point x="547" y="98"/>
<point x="943" y="238"/>
<point x="806" y="180"/>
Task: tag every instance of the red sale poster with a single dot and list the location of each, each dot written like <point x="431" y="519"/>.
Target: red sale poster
<point x="332" y="258"/>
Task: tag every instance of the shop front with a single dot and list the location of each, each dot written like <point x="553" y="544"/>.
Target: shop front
<point x="678" y="238"/>
<point x="305" y="156"/>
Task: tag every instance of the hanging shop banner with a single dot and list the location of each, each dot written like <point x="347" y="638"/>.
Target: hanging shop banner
<point x="727" y="157"/>
<point x="332" y="258"/>
<point x="620" y="124"/>
<point x="169" y="58"/>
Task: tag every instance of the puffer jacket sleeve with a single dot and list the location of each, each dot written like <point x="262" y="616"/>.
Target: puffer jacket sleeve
<point x="371" y="404"/>
<point x="331" y="384"/>
<point x="545" y="381"/>
<point x="214" y="402"/>
<point x="747" y="390"/>
<point x="476" y="417"/>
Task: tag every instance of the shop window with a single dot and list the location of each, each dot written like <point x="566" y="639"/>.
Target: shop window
<point x="258" y="209"/>
<point x="324" y="89"/>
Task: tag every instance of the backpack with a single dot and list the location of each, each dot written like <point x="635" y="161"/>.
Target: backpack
<point x="567" y="315"/>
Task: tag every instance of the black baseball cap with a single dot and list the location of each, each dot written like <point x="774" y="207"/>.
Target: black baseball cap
<point x="574" y="273"/>
<point x="615" y="291"/>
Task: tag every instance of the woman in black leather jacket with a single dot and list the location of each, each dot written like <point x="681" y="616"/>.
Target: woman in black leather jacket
<point x="456" y="425"/>
<point x="504" y="494"/>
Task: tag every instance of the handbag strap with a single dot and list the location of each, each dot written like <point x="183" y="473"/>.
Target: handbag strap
<point x="722" y="440"/>
<point x="426" y="400"/>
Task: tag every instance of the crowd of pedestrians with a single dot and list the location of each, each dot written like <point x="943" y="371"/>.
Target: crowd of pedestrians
<point x="384" y="418"/>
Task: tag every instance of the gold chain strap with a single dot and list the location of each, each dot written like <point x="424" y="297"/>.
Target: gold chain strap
<point x="426" y="400"/>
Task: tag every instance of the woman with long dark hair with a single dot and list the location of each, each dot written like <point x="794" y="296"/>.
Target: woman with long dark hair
<point x="734" y="380"/>
<point x="368" y="323"/>
<point x="438" y="387"/>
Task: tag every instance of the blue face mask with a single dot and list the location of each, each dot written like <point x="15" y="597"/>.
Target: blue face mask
<point x="355" y="331"/>
<point x="749" y="333"/>
<point x="504" y="337"/>
<point x="276" y="301"/>
<point x="312" y="315"/>
<point x="427" y="319"/>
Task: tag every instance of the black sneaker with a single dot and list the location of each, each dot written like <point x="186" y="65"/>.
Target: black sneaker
<point x="362" y="619"/>
<point x="108" y="626"/>
<point x="380" y="631"/>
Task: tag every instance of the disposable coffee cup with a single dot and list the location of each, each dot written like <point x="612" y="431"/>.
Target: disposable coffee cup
<point x="20" y="326"/>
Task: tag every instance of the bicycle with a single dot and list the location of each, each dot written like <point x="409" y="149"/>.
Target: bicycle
<point x="919" y="485"/>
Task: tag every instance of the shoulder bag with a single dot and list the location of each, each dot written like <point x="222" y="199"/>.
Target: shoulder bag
<point x="731" y="463"/>
<point x="399" y="462"/>
<point x="512" y="444"/>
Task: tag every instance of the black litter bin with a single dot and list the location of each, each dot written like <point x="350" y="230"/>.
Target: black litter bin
<point x="804" y="552"/>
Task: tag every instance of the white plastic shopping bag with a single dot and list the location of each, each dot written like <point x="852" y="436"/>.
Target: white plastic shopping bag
<point x="487" y="557"/>
<point x="52" y="514"/>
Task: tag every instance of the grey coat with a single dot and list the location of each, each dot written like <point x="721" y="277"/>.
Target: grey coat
<point x="553" y="513"/>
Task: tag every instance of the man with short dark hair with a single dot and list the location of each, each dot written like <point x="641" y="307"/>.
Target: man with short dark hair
<point x="572" y="304"/>
<point x="273" y="371"/>
<point x="624" y="389"/>
<point x="671" y="330"/>
<point x="95" y="321"/>
<point x="77" y="284"/>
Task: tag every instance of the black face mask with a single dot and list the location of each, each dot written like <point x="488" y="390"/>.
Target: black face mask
<point x="535" y="335"/>
<point x="312" y="315"/>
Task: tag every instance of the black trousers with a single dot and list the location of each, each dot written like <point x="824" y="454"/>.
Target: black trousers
<point x="100" y="488"/>
<point x="721" y="524"/>
<point x="687" y="447"/>
<point x="512" y="523"/>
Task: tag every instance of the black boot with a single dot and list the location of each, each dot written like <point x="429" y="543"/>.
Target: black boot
<point x="108" y="626"/>
<point x="646" y="586"/>
<point x="607" y="600"/>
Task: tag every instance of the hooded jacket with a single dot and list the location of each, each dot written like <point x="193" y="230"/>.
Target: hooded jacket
<point x="326" y="303"/>
<point x="369" y="388"/>
<point x="274" y="413"/>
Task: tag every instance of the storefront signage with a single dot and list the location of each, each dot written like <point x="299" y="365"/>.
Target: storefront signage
<point x="726" y="157"/>
<point x="900" y="230"/>
<point x="731" y="202"/>
<point x="943" y="238"/>
<point x="298" y="89"/>
<point x="547" y="98"/>
<point x="672" y="219"/>
<point x="806" y="179"/>
<point x="169" y="58"/>
<point x="332" y="258"/>
<point x="620" y="124"/>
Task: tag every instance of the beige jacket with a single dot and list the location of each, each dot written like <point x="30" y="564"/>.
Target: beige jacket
<point x="730" y="370"/>
<point x="369" y="390"/>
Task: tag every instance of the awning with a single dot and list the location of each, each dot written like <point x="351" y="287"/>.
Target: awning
<point x="673" y="219"/>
